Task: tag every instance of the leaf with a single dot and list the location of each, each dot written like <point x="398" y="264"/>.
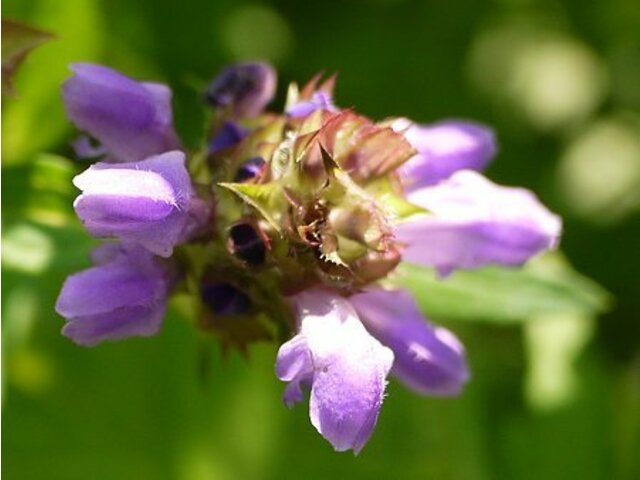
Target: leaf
<point x="267" y="198"/>
<point x="502" y="295"/>
<point x="18" y="40"/>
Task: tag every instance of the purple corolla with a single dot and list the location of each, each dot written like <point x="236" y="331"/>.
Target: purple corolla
<point x="124" y="295"/>
<point x="344" y="349"/>
<point x="443" y="149"/>
<point x="343" y="365"/>
<point x="471" y="222"/>
<point x="131" y="120"/>
<point x="146" y="202"/>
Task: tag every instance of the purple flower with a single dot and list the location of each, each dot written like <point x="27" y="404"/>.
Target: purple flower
<point x="124" y="295"/>
<point x="342" y="364"/>
<point x="245" y="88"/>
<point x="427" y="358"/>
<point x="131" y="120"/>
<point x="145" y="202"/>
<point x="444" y="148"/>
<point x="319" y="100"/>
<point x="472" y="222"/>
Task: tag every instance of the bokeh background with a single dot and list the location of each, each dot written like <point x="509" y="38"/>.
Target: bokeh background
<point x="553" y="396"/>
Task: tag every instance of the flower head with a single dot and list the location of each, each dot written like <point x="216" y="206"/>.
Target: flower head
<point x="287" y="226"/>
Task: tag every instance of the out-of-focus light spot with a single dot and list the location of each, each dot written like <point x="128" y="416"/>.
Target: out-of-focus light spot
<point x="599" y="173"/>
<point x="52" y="190"/>
<point x="257" y="32"/>
<point x="200" y="462"/>
<point x="551" y="79"/>
<point x="26" y="249"/>
<point x="53" y="173"/>
<point x="30" y="371"/>
<point x="19" y="313"/>
<point x="553" y="344"/>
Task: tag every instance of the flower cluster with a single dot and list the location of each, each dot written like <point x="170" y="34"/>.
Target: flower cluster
<point x="288" y="226"/>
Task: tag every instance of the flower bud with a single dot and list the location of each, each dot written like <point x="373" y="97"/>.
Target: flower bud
<point x="249" y="170"/>
<point x="246" y="244"/>
<point x="224" y="299"/>
<point x="245" y="88"/>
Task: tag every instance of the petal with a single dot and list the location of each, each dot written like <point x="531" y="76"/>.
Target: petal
<point x="132" y="120"/>
<point x="294" y="365"/>
<point x="473" y="222"/>
<point x="349" y="369"/>
<point x="428" y="359"/>
<point x="145" y="202"/>
<point x="444" y="148"/>
<point x="124" y="296"/>
<point x="123" y="282"/>
<point x="138" y="321"/>
<point x="319" y="100"/>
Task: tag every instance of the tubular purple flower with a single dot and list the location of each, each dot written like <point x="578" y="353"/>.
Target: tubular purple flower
<point x="344" y="366"/>
<point x="132" y="120"/>
<point x="123" y="296"/>
<point x="427" y="358"/>
<point x="145" y="202"/>
<point x="246" y="88"/>
<point x="473" y="222"/>
<point x="443" y="149"/>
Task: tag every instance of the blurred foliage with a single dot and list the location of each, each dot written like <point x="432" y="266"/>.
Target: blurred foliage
<point x="17" y="41"/>
<point x="555" y="392"/>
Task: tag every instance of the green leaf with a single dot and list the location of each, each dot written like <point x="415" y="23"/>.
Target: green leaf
<point x="503" y="295"/>
<point x="17" y="42"/>
<point x="267" y="198"/>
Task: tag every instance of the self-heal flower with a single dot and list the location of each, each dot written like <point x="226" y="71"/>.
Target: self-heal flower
<point x="132" y="120"/>
<point x="303" y="217"/>
<point x="146" y="202"/>
<point x="471" y="222"/>
<point x="428" y="359"/>
<point x="124" y="295"/>
<point x="342" y="364"/>
<point x="443" y="149"/>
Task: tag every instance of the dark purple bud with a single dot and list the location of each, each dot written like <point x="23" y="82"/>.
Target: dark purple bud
<point x="224" y="299"/>
<point x="245" y="87"/>
<point x="229" y="135"/>
<point x="249" y="170"/>
<point x="246" y="244"/>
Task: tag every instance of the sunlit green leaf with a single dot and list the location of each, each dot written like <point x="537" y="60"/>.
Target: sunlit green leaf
<point x="495" y="294"/>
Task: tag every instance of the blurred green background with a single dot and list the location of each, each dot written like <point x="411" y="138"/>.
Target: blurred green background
<point x="555" y="393"/>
